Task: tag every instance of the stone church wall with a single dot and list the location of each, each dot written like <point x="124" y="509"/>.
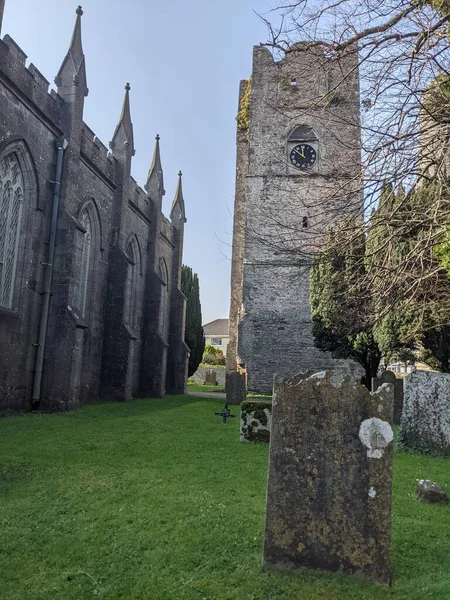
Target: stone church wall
<point x="111" y="311"/>
<point x="30" y="134"/>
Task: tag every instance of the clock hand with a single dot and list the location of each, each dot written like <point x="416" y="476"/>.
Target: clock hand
<point x="298" y="152"/>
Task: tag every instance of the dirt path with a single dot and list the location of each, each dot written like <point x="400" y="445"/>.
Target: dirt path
<point x="219" y="395"/>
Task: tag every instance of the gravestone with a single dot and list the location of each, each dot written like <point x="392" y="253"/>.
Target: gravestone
<point x="210" y="378"/>
<point x="425" y="423"/>
<point x="256" y="418"/>
<point x="236" y="387"/>
<point x="330" y="476"/>
<point x="200" y="375"/>
<point x="389" y="377"/>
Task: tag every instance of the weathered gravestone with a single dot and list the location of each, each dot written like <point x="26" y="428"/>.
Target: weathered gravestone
<point x="236" y="387"/>
<point x="210" y="378"/>
<point x="425" y="423"/>
<point x="256" y="418"/>
<point x="397" y="382"/>
<point x="330" y="474"/>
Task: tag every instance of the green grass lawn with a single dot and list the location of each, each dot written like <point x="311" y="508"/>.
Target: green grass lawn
<point x="157" y="500"/>
<point x="201" y="387"/>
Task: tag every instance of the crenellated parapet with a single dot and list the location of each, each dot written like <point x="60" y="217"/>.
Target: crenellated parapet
<point x="28" y="84"/>
<point x="138" y="199"/>
<point x="97" y="154"/>
<point x="167" y="230"/>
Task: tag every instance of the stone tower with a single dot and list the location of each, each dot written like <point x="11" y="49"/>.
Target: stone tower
<point x="298" y="169"/>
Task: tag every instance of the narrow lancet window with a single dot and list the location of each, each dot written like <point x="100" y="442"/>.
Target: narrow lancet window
<point x="84" y="263"/>
<point x="131" y="317"/>
<point x="164" y="298"/>
<point x="11" y="205"/>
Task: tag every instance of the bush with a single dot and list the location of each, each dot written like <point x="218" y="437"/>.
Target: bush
<point x="213" y="356"/>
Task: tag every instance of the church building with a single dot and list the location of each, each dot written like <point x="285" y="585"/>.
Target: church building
<point x="298" y="170"/>
<point x="90" y="268"/>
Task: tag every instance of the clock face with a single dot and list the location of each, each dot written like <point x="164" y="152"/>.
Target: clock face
<point x="303" y="156"/>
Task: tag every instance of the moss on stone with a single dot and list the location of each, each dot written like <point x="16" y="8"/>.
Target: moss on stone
<point x="257" y="430"/>
<point x="243" y="116"/>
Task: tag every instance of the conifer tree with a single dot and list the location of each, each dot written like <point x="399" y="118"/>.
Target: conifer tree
<point x="387" y="247"/>
<point x="399" y="257"/>
<point x="193" y="336"/>
<point x="339" y="303"/>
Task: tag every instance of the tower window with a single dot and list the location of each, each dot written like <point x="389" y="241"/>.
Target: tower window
<point x="302" y="133"/>
<point x="305" y="222"/>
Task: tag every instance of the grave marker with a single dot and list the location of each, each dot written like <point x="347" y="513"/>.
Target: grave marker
<point x="330" y="476"/>
<point x="397" y="382"/>
<point x="425" y="423"/>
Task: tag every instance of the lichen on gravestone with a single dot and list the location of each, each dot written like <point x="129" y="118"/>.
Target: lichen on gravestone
<point x="390" y="377"/>
<point x="330" y="476"/>
<point x="425" y="421"/>
<point x="256" y="416"/>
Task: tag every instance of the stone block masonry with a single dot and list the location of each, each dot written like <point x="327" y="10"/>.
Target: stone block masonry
<point x="104" y="317"/>
<point x="425" y="422"/>
<point x="281" y="212"/>
<point x="330" y="476"/>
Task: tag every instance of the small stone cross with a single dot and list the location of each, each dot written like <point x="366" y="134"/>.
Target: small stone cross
<point x="225" y="413"/>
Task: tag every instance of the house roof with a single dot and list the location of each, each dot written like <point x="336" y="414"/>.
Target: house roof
<point x="217" y="327"/>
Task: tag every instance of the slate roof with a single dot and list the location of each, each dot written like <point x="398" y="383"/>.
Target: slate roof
<point x="217" y="327"/>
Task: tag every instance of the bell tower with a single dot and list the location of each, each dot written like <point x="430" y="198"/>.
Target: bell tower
<point x="298" y="170"/>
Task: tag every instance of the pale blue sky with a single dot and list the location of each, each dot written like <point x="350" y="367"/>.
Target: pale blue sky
<point x="184" y="61"/>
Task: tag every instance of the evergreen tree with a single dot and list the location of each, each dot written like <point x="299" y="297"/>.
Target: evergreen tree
<point x="443" y="252"/>
<point x="433" y="331"/>
<point x="399" y="257"/>
<point x="193" y="336"/>
<point x="395" y="255"/>
<point x="340" y="301"/>
<point x="387" y="247"/>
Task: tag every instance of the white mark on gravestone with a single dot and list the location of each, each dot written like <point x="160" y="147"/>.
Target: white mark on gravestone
<point x="380" y="408"/>
<point x="319" y="375"/>
<point x="336" y="379"/>
<point x="372" y="493"/>
<point x="375" y="434"/>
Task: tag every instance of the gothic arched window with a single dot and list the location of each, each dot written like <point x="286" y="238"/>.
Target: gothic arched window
<point x="164" y="276"/>
<point x="84" y="261"/>
<point x="130" y="312"/>
<point x="11" y="205"/>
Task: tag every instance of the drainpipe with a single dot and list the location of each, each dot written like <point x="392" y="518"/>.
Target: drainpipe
<point x="61" y="145"/>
